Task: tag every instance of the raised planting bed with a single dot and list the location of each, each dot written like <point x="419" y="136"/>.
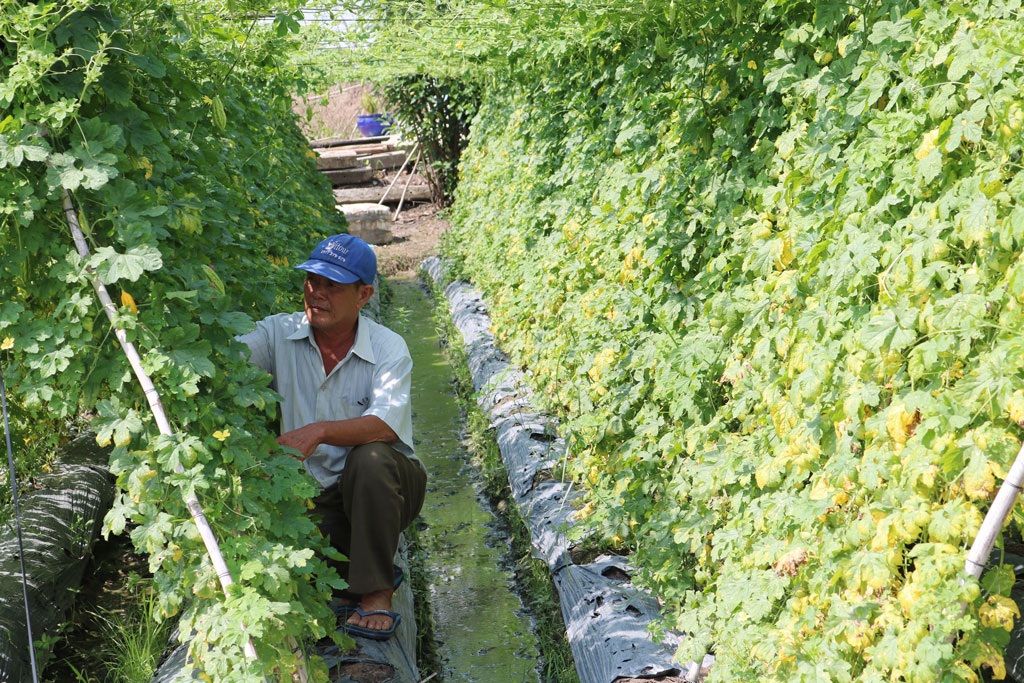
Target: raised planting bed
<point x="606" y="616"/>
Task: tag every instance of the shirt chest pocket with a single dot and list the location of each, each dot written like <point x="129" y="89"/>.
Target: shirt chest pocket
<point x="339" y="408"/>
<point x="343" y="404"/>
<point x="345" y="395"/>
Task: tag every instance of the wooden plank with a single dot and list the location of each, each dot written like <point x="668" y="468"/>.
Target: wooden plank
<point x="344" y="142"/>
<point x="386" y="160"/>
<point x="355" y="195"/>
<point x="371" y="149"/>
<point x="337" y="158"/>
<point x="350" y="176"/>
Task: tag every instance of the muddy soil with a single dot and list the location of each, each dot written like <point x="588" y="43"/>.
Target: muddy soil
<point x="417" y="232"/>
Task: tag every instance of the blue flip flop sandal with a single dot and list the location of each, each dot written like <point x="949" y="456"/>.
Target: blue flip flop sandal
<point x="398" y="576"/>
<point x="347" y="610"/>
<point x="343" y="611"/>
<point x="374" y="634"/>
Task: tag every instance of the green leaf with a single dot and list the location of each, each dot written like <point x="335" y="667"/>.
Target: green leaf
<point x="866" y="93"/>
<point x="113" y="266"/>
<point x="931" y="166"/>
<point x="149" y="63"/>
<point x="71" y="178"/>
<point x="998" y="580"/>
<point x="117" y="516"/>
<point x="195" y="357"/>
<point x="975" y="220"/>
<point x="117" y="428"/>
<point x="889" y="330"/>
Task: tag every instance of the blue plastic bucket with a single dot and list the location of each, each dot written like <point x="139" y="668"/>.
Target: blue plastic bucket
<point x="372" y="125"/>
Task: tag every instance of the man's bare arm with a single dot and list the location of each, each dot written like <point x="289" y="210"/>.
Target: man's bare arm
<point x="354" y="432"/>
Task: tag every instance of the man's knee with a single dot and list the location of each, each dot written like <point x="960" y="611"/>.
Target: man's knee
<point x="371" y="460"/>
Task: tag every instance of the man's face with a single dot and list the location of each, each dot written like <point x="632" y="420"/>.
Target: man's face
<point x="331" y="306"/>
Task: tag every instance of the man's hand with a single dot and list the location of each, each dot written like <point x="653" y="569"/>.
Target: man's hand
<point x="304" y="439"/>
<point x="353" y="432"/>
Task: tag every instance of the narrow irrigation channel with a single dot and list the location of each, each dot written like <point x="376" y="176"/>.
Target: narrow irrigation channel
<point x="481" y="629"/>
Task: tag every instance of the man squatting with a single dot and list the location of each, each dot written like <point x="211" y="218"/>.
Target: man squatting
<point x="345" y="382"/>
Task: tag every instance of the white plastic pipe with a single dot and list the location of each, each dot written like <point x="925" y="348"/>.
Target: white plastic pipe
<point x="157" y="408"/>
<point x="995" y="517"/>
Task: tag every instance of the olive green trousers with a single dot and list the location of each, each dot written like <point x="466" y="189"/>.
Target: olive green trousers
<point x="378" y="495"/>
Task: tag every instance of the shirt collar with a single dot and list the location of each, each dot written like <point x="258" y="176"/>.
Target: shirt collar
<point x="362" y="346"/>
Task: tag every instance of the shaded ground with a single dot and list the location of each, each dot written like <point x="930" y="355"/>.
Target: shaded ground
<point x="417" y="232"/>
<point x="106" y="589"/>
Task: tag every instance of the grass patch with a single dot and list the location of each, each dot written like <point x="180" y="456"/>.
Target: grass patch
<point x="114" y="634"/>
<point x="134" y="640"/>
<point x="532" y="575"/>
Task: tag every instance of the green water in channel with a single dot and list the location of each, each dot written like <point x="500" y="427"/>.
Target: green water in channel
<point x="481" y="629"/>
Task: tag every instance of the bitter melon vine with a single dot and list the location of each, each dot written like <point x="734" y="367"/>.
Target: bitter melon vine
<point x="173" y="130"/>
<point x="765" y="260"/>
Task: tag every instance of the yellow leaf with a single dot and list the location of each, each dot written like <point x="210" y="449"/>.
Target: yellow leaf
<point x="999" y="611"/>
<point x="127" y="300"/>
<point x="965" y="672"/>
<point x="1015" y="407"/>
<point x="858" y="635"/>
<point x="8" y="343"/>
<point x="752" y="65"/>
<point x="820" y="489"/>
<point x="979" y="482"/>
<point x="899" y="423"/>
<point x="927" y="144"/>
<point x="146" y="165"/>
<point x="221" y="434"/>
<point x="993" y="659"/>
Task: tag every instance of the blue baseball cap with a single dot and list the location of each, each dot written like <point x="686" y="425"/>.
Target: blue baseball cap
<point x="342" y="258"/>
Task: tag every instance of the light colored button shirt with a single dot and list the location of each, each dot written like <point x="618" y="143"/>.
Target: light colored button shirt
<point x="374" y="378"/>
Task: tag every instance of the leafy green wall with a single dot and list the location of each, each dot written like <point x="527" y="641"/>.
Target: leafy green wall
<point x="172" y="130"/>
<point x="768" y="270"/>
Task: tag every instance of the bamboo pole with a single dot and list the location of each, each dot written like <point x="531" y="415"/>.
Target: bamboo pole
<point x="397" y="175"/>
<point x="995" y="517"/>
<point x="405" y="189"/>
<point x="159" y="414"/>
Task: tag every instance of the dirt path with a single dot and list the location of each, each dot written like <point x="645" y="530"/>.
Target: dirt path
<point x="417" y="232"/>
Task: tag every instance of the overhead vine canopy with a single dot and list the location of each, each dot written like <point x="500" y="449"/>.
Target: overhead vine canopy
<point x="473" y="39"/>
